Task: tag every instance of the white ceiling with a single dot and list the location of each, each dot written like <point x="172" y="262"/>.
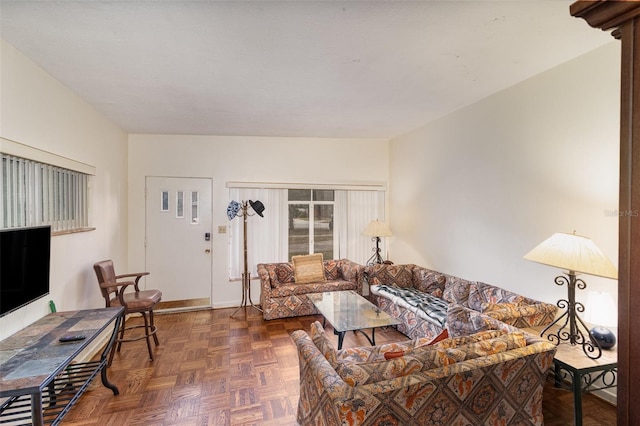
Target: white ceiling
<point x="299" y="68"/>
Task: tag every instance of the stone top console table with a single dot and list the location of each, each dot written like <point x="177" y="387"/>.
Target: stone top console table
<point x="38" y="371"/>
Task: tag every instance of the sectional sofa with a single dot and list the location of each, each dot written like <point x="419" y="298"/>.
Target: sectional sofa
<point x="493" y="376"/>
<point x="420" y="297"/>
<point x="467" y="361"/>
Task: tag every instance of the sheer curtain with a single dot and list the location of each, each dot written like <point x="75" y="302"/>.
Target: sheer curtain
<point x="357" y="209"/>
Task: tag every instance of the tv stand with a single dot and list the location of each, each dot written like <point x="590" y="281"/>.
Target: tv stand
<point x="39" y="380"/>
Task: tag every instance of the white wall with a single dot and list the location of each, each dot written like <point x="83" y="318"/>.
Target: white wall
<point x="37" y="110"/>
<point x="242" y="159"/>
<point x="469" y="193"/>
<point x="473" y="192"/>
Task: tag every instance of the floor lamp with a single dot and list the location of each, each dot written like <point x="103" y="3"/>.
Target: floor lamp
<point x="242" y="210"/>
<point x="376" y="229"/>
<point x="575" y="254"/>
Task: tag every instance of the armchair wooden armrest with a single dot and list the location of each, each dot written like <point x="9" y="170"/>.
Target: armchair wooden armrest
<point x="137" y="276"/>
<point x="119" y="287"/>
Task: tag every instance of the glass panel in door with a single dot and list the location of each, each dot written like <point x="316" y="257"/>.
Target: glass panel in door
<point x="323" y="230"/>
<point x="298" y="229"/>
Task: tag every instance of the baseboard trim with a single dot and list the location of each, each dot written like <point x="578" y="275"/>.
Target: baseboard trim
<point x="204" y="302"/>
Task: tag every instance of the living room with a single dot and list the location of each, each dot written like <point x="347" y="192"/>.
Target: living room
<point x="468" y="193"/>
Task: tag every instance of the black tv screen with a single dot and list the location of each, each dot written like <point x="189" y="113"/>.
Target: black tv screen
<point x="24" y="266"/>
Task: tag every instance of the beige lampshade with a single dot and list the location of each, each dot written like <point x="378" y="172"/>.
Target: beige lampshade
<point x="575" y="253"/>
<point x="376" y="228"/>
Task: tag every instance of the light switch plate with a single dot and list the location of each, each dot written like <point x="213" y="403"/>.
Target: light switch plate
<point x="222" y="229"/>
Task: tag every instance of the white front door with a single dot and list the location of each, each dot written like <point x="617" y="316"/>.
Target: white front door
<point x="178" y="239"/>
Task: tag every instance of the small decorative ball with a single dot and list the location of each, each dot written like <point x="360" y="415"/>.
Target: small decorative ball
<point x="604" y="337"/>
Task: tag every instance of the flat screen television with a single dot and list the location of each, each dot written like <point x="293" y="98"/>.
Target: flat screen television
<point x="24" y="266"/>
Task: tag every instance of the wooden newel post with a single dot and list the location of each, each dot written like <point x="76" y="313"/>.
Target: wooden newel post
<point x="623" y="19"/>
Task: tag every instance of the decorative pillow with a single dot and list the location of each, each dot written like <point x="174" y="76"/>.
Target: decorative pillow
<point x="395" y="354"/>
<point x="422" y="341"/>
<point x="398" y="275"/>
<point x="284" y="274"/>
<point x="437" y="293"/>
<point x="356" y="374"/>
<point x="360" y="354"/>
<point x="322" y="342"/>
<point x="443" y="335"/>
<point x="308" y="268"/>
<point x="332" y="270"/>
<point x="475" y="296"/>
<point x="350" y="271"/>
<point x="364" y="354"/>
<point x="480" y="293"/>
<point x="497" y="345"/>
<point x="463" y="321"/>
<point x="499" y="295"/>
<point x="456" y="290"/>
<point x="428" y="281"/>
<point x="454" y="342"/>
<point x="491" y="307"/>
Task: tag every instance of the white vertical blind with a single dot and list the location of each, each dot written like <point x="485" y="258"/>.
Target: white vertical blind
<point x="361" y="208"/>
<point x="266" y="236"/>
<point x="35" y="193"/>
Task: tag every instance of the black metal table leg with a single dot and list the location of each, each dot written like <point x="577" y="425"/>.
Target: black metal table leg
<point x="576" y="378"/>
<point x="340" y="338"/>
<point x="103" y="357"/>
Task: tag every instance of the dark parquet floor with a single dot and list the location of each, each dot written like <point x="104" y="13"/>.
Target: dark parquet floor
<point x="211" y="369"/>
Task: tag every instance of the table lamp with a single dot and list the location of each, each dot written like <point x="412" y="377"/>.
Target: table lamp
<point x="575" y="254"/>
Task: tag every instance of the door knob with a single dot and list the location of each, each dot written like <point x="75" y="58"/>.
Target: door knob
<point x="207" y="250"/>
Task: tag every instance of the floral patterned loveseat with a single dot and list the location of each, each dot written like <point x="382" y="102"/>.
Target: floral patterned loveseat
<point x="419" y="298"/>
<point x="494" y="375"/>
<point x="281" y="297"/>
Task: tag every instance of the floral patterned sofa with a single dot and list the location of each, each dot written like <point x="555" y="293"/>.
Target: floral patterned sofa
<point x="494" y="375"/>
<point x="419" y="298"/>
<point x="281" y="297"/>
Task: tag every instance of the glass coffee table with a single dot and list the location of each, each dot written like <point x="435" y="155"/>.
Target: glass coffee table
<point x="348" y="311"/>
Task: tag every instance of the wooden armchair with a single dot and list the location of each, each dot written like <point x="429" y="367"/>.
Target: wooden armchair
<point x="115" y="291"/>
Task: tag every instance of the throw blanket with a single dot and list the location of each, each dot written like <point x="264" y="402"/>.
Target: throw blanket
<point x="434" y="308"/>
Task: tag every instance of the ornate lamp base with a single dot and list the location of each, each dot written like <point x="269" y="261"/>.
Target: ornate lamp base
<point x="577" y="333"/>
<point x="376" y="257"/>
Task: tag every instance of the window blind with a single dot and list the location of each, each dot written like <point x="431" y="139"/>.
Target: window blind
<point x="35" y="193"/>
